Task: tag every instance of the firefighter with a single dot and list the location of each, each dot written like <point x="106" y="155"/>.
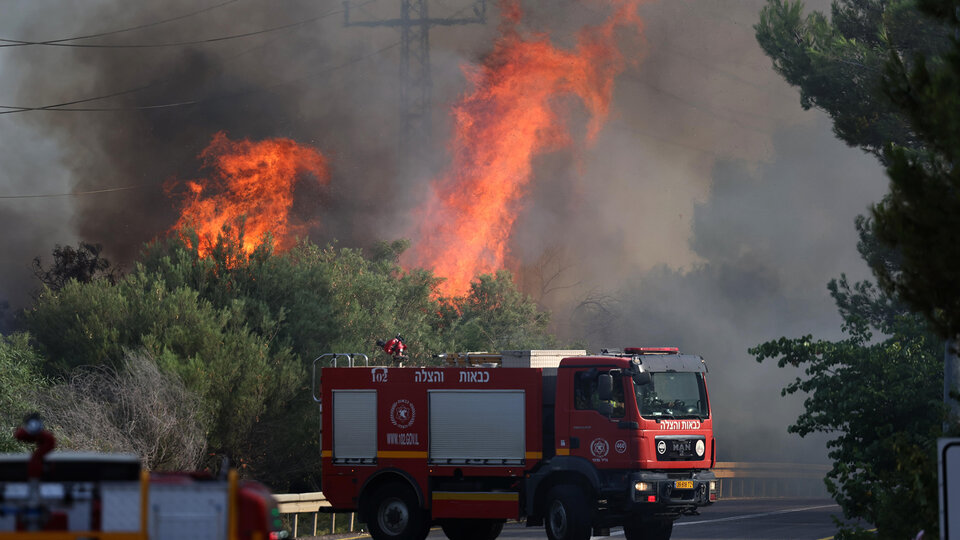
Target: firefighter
<point x="396" y="348"/>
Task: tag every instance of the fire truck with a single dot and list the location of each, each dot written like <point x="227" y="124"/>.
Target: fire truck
<point x="84" y="495"/>
<point x="573" y="442"/>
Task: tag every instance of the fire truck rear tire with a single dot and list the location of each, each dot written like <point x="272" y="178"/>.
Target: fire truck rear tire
<point x="637" y="529"/>
<point x="394" y="514"/>
<point x="472" y="529"/>
<point x="567" y="514"/>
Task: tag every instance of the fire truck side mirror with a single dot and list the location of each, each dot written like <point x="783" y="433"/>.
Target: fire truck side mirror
<point x="605" y="408"/>
<point x="641" y="378"/>
<point x="605" y="386"/>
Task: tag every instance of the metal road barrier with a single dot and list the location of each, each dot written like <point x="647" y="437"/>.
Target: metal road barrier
<point x="310" y="503"/>
<point x="758" y="480"/>
<point x="738" y="480"/>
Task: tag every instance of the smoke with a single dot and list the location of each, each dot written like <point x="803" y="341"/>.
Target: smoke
<point x="317" y="83"/>
<point x="709" y="212"/>
<point x="768" y="240"/>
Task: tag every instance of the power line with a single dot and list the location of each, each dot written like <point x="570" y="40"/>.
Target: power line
<point x="10" y="109"/>
<point x="18" y="43"/>
<point x="63" y="108"/>
<point x="72" y="193"/>
<point x="703" y="108"/>
<point x="171" y="44"/>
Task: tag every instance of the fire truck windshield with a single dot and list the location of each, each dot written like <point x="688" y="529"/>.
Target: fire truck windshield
<point x="673" y="395"/>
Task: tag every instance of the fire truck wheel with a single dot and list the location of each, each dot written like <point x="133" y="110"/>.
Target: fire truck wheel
<point x="638" y="529"/>
<point x="568" y="515"/>
<point x="472" y="529"/>
<point x="394" y="514"/>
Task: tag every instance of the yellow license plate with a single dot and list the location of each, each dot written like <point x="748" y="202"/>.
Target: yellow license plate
<point x="683" y="484"/>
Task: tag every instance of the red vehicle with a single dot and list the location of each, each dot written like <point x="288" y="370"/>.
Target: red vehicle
<point x="596" y="441"/>
<point x="83" y="495"/>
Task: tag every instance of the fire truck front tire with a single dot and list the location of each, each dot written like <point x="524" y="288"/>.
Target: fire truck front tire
<point x="567" y="514"/>
<point x="393" y="514"/>
<point x="472" y="529"/>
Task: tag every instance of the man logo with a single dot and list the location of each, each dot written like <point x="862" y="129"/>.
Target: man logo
<point x="661" y="447"/>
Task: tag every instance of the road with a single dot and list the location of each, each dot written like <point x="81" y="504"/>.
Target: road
<point x="754" y="519"/>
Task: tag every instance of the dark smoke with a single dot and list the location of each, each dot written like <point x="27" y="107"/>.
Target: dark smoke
<point x="316" y="83"/>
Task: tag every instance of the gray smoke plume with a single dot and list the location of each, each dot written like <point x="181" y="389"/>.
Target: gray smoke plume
<point x="709" y="213"/>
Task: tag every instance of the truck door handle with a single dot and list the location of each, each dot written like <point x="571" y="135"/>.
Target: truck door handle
<point x="574" y="442"/>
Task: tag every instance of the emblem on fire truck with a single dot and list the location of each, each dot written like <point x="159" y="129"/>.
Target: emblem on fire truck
<point x="599" y="448"/>
<point x="402" y="413"/>
<point x="621" y="446"/>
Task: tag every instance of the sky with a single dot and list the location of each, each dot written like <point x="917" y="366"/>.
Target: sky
<point x="709" y="213"/>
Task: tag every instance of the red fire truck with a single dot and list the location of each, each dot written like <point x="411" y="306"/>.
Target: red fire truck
<point x="578" y="443"/>
<point x="84" y="495"/>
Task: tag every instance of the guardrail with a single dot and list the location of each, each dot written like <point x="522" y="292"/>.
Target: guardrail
<point x="309" y="503"/>
<point x="760" y="480"/>
<point x="748" y="480"/>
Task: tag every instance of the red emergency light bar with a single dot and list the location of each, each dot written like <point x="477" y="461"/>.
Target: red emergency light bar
<point x="652" y="350"/>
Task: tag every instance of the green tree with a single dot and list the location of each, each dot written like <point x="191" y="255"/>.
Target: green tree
<point x="20" y="380"/>
<point x="212" y="350"/>
<point x="839" y="64"/>
<point x="888" y="74"/>
<point x="921" y="215"/>
<point x="496" y="316"/>
<point x="881" y="397"/>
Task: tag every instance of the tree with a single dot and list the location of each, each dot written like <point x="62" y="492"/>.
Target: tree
<point x="83" y="264"/>
<point x="20" y="379"/>
<point x="889" y="75"/>
<point x="212" y="350"/>
<point x="881" y="398"/>
<point x="839" y="64"/>
<point x="921" y="215"/>
<point x="496" y="316"/>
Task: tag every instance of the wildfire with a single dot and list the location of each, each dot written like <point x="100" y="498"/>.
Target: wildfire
<point x="515" y="112"/>
<point x="250" y="188"/>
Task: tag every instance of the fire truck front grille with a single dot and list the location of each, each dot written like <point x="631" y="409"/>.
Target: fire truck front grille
<point x="680" y="447"/>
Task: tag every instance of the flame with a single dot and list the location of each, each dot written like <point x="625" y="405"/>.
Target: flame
<point x="250" y="188"/>
<point x="514" y="113"/>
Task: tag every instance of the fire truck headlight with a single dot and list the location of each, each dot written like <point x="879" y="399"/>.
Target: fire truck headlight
<point x="643" y="486"/>
<point x="713" y="485"/>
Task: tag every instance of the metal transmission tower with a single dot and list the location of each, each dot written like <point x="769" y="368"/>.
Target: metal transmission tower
<point x="415" y="81"/>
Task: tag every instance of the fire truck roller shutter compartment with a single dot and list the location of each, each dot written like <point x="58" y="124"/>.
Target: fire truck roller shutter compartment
<point x="354" y="426"/>
<point x="479" y="427"/>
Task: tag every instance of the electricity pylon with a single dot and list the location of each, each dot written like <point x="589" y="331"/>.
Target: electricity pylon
<point x="415" y="82"/>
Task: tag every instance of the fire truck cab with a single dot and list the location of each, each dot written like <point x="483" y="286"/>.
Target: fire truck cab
<point x="574" y="442"/>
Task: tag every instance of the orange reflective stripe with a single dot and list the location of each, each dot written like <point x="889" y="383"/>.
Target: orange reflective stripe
<point x="402" y="454"/>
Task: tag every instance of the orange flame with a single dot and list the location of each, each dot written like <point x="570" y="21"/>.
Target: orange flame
<point x="513" y="115"/>
<point x="250" y="188"/>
